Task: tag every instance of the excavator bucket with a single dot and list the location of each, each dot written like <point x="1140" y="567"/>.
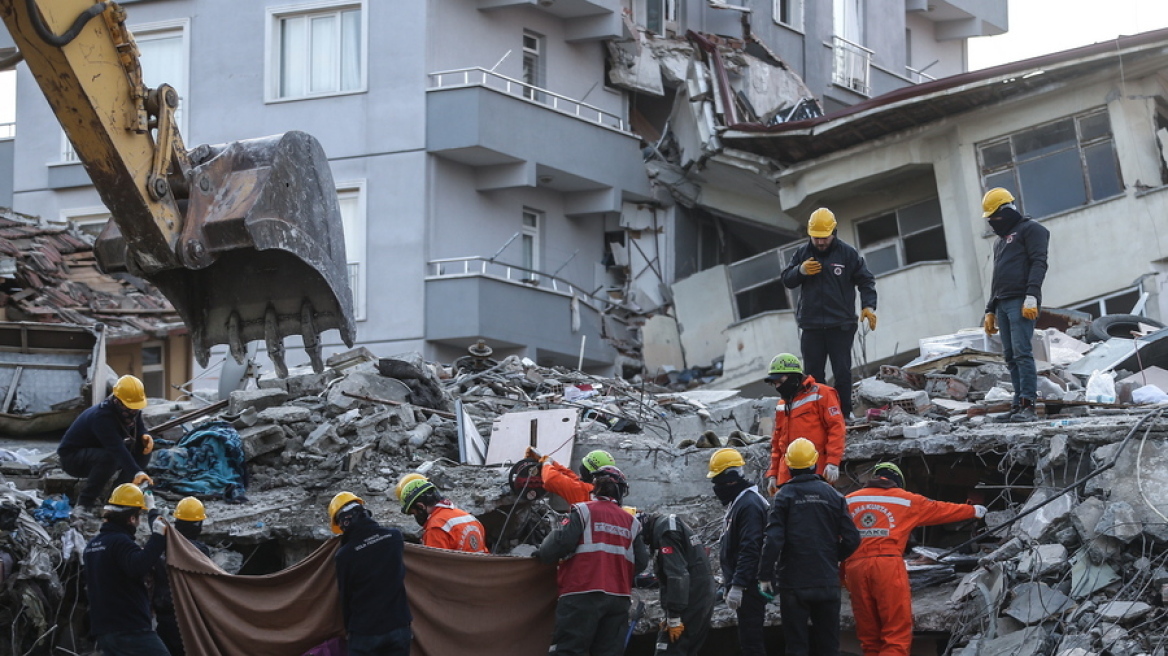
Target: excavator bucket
<point x="262" y="247"/>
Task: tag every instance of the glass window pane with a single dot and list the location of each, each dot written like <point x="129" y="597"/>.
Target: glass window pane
<point x="528" y="252"/>
<point x="1094" y="126"/>
<point x="530" y="220"/>
<point x="995" y="156"/>
<point x="756" y="270"/>
<point x="1004" y="179"/>
<point x="350" y="50"/>
<point x="921" y="216"/>
<point x="324" y="54"/>
<point x="1103" y="170"/>
<point x="162" y="61"/>
<point x="877" y="229"/>
<point x="1052" y="184"/>
<point x="1044" y="140"/>
<point x="1122" y="303"/>
<point x="927" y="246"/>
<point x="1090" y="308"/>
<point x="151" y="355"/>
<point x="293" y="56"/>
<point x="348" y="203"/>
<point x="882" y="259"/>
<point x="766" y="298"/>
<point x="155" y="384"/>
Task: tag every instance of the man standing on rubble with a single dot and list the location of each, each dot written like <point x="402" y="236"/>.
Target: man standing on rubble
<point x="371" y="579"/>
<point x="742" y="531"/>
<point x="876" y="576"/>
<point x="828" y="272"/>
<point x="564" y="482"/>
<point x="808" y="535"/>
<point x="108" y="439"/>
<point x="443" y="525"/>
<point x="115" y="570"/>
<point x="806" y="408"/>
<point x="188" y="521"/>
<point x="599" y="550"/>
<point x="687" y="586"/>
<point x="1016" y="295"/>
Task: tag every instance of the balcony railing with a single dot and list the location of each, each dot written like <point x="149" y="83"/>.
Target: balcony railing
<point x="918" y="77"/>
<point x="464" y="267"/>
<point x="481" y="77"/>
<point x="853" y="65"/>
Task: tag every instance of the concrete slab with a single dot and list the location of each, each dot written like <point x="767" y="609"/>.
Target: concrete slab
<point x="1087" y="577"/>
<point x="1123" y="611"/>
<point x="661" y="341"/>
<point x="1046" y="520"/>
<point x="1027" y="642"/>
<point x="704" y="307"/>
<point x="551" y="432"/>
<point x="1140" y="478"/>
<point x="1043" y="559"/>
<point x="1034" y="602"/>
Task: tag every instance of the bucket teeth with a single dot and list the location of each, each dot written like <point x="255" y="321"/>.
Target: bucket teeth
<point x="275" y="341"/>
<point x="235" y="340"/>
<point x="311" y="337"/>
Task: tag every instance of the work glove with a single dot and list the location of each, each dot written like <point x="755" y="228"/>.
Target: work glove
<point x="810" y="267"/>
<point x="675" y="628"/>
<point x="772" y="485"/>
<point x="141" y="479"/>
<point x="991" y="324"/>
<point x="979" y="511"/>
<point x="869" y="315"/>
<point x="147" y="444"/>
<point x="766" y="588"/>
<point x="831" y="473"/>
<point x="158" y="526"/>
<point x="1030" y="308"/>
<point x="734" y="597"/>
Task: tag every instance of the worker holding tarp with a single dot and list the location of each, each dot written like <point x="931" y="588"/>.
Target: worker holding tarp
<point x="189" y="515"/>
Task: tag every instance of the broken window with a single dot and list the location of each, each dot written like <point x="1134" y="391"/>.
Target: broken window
<point x="318" y="53"/>
<point x="905" y="236"/>
<point x="757" y="282"/>
<point x="789" y="13"/>
<point x="657" y="16"/>
<point x="1120" y="302"/>
<point x="1056" y="166"/>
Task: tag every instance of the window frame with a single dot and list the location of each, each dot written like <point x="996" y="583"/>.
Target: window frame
<point x="82" y="217"/>
<point x="795" y="8"/>
<point x="357" y="233"/>
<point x="901" y="236"/>
<point x="1100" y="302"/>
<point x="533" y="233"/>
<point x="159" y="368"/>
<point x="272" y="47"/>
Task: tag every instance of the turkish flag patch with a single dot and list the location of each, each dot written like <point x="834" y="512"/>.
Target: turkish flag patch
<point x="666" y="550"/>
<point x="564" y="522"/>
<point x="833" y="411"/>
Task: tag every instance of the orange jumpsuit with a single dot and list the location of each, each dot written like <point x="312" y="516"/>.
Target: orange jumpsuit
<point x="448" y="527"/>
<point x="814" y="413"/>
<point x="875" y="574"/>
<point x="564" y="482"/>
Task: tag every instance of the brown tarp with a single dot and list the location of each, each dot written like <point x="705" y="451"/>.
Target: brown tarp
<point x="462" y="604"/>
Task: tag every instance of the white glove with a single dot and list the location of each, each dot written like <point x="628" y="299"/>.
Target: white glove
<point x="734" y="597"/>
<point x="831" y="473"/>
<point x="765" y="587"/>
<point x="979" y="511"/>
<point x="1030" y="308"/>
<point x="158" y="526"/>
<point x="772" y="486"/>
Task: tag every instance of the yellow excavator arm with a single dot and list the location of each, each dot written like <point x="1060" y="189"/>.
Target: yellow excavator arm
<point x="245" y="239"/>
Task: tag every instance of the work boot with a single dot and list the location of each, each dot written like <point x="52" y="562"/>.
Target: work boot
<point x="1008" y="417"/>
<point x="1025" y="412"/>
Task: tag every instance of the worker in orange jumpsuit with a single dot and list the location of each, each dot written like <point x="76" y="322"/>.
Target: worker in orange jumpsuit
<point x="564" y="482"/>
<point x="443" y="525"/>
<point x="875" y="575"/>
<point x="805" y="409"/>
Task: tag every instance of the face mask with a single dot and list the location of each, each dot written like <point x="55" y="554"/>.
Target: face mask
<point x="420" y="516"/>
<point x="790" y="386"/>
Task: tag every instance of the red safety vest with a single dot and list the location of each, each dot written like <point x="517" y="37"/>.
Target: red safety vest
<point x="603" y="560"/>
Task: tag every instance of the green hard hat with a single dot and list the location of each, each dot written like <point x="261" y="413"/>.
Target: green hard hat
<point x="413" y="491"/>
<point x="783" y="364"/>
<point x="597" y="459"/>
<point x="888" y="468"/>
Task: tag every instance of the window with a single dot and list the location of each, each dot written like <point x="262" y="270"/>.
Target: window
<point x="8" y="104"/>
<point x="89" y="220"/>
<point x="529" y="241"/>
<point x="1121" y="302"/>
<point x="317" y="53"/>
<point x="906" y="236"/>
<point x="851" y="61"/>
<point x="153" y="370"/>
<point x="1056" y="166"/>
<point x="789" y="13"/>
<point x="757" y="284"/>
<point x="532" y="63"/>
<point x="657" y="16"/>
<point x="848" y="20"/>
<point x="351" y="198"/>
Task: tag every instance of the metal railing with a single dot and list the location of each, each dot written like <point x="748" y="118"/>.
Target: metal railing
<point x="918" y="77"/>
<point x="853" y="65"/>
<point x="481" y="77"/>
<point x="465" y="267"/>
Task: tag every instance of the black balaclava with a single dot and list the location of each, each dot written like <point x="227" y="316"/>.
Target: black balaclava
<point x="790" y="387"/>
<point x="1004" y="220"/>
<point x="189" y="530"/>
<point x="728" y="485"/>
<point x="800" y="472"/>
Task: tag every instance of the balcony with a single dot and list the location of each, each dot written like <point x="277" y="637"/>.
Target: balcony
<point x="852" y="66"/>
<point x="585" y="20"/>
<point x="474" y="298"/>
<point x="962" y="19"/>
<point x="499" y="126"/>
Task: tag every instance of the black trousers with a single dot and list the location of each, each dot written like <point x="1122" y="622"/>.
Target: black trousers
<point x="167" y="629"/>
<point x="819" y="344"/>
<point x="751" y="617"/>
<point x="590" y="624"/>
<point x="97" y="466"/>
<point x="811" y="621"/>
<point x="696" y="619"/>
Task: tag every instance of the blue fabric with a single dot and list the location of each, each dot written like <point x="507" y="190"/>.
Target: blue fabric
<point x="53" y="510"/>
<point x="207" y="462"/>
<point x="1017" y="331"/>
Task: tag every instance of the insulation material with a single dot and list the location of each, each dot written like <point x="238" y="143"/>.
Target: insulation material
<point x="472" y="448"/>
<point x="551" y="432"/>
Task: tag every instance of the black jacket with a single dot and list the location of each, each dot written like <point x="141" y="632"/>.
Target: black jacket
<point x="828" y="298"/>
<point x="742" y="539"/>
<point x="101" y="427"/>
<point x="372" y="578"/>
<point x="115" y="579"/>
<point x="161" y="598"/>
<point x="1019" y="263"/>
<point x="682" y="567"/>
<point x="822" y="535"/>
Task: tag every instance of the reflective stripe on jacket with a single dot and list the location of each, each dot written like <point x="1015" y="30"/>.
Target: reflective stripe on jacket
<point x="815" y="414"/>
<point x="448" y="527"/>
<point x="604" y="560"/>
<point x="886" y="517"/>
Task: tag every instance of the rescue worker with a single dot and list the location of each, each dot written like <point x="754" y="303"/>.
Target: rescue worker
<point x="875" y="574"/>
<point x="809" y="533"/>
<point x="828" y="272"/>
<point x="371" y="578"/>
<point x="115" y="570"/>
<point x="564" y="482"/>
<point x="188" y="521"/>
<point x="807" y="409"/>
<point x="1016" y="295"/>
<point x="687" y="585"/>
<point x="599" y="550"/>
<point x="742" y="531"/>
<point x="443" y="525"/>
<point x="108" y="439"/>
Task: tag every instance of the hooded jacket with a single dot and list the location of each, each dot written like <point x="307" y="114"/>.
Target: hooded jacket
<point x="1019" y="262"/>
<point x="828" y="298"/>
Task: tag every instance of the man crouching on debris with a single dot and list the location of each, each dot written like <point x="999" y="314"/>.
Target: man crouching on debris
<point x="687" y="586"/>
<point x="371" y="578"/>
<point x="599" y="550"/>
<point x="115" y="570"/>
<point x="808" y="535"/>
<point x="742" y="531"/>
<point x="875" y="575"/>
<point x="806" y="408"/>
<point x="564" y="482"/>
<point x="443" y="525"/>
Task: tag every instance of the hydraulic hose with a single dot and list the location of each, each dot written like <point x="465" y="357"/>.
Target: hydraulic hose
<point x="46" y="35"/>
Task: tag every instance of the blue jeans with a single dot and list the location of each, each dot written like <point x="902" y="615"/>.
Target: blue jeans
<point x="1017" y="331"/>
<point x="132" y="643"/>
<point x="394" y="643"/>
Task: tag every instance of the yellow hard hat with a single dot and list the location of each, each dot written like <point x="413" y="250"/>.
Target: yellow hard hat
<point x="802" y="454"/>
<point x="128" y="495"/>
<point x="994" y="199"/>
<point x="632" y="510"/>
<point x="401" y="483"/>
<point x="822" y="223"/>
<point x="130" y="392"/>
<point x="724" y="459"/>
<point x="339" y="503"/>
<point x="190" y="509"/>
